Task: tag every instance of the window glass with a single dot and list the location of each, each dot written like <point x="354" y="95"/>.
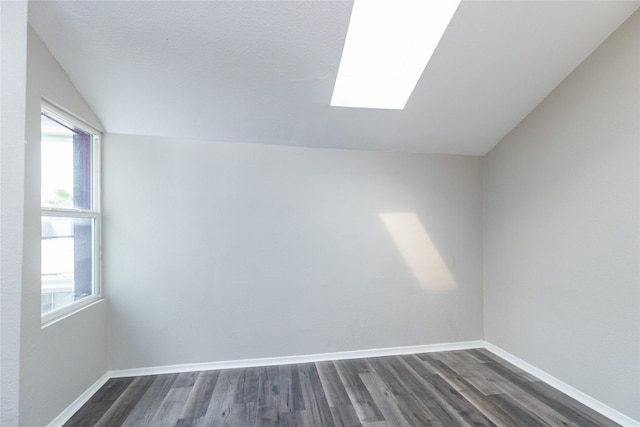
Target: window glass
<point x="70" y="218"/>
<point x="67" y="261"/>
<point x="66" y="166"/>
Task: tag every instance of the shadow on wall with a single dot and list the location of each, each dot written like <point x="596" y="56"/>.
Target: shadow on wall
<point x="419" y="252"/>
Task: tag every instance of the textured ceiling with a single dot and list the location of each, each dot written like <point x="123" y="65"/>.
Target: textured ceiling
<point x="263" y="71"/>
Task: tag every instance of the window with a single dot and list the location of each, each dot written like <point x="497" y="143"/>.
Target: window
<point x="70" y="213"/>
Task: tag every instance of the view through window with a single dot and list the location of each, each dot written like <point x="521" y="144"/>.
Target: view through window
<point x="70" y="212"/>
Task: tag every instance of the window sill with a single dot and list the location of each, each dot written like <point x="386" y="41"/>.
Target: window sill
<point x="55" y="316"/>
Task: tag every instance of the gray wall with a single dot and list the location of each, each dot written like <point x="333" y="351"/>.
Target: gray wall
<point x="13" y="51"/>
<point x="561" y="234"/>
<point x="58" y="362"/>
<point x="225" y="251"/>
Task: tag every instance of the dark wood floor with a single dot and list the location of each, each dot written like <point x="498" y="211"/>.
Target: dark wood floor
<point x="456" y="388"/>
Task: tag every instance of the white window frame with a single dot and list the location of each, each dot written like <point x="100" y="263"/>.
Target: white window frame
<point x="72" y="121"/>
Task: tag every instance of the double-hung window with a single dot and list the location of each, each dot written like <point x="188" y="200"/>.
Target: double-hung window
<point x="70" y="213"/>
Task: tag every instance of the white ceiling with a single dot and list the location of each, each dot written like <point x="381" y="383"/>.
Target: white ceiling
<point x="263" y="71"/>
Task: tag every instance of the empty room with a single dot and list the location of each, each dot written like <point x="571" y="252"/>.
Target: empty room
<point x="320" y="213"/>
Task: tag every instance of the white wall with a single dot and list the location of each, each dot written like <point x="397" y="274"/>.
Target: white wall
<point x="226" y="251"/>
<point x="61" y="361"/>
<point x="13" y="54"/>
<point x="561" y="237"/>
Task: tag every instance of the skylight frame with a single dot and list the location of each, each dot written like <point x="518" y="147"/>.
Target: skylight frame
<point x="388" y="45"/>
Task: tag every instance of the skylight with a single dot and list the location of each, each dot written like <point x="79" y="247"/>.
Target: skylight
<point x="388" y="46"/>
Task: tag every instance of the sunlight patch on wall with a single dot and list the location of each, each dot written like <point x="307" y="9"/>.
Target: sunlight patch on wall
<point x="421" y="255"/>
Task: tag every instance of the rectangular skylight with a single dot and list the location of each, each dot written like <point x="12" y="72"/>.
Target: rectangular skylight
<point x="388" y="46"/>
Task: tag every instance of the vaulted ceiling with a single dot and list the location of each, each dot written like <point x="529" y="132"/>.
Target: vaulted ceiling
<point x="263" y="71"/>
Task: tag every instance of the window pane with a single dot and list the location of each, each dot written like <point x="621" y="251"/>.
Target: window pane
<point x="67" y="261"/>
<point x="66" y="166"/>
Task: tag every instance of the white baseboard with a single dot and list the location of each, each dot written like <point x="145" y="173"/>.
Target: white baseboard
<point x="565" y="388"/>
<point x="65" y="415"/>
<point x="289" y="360"/>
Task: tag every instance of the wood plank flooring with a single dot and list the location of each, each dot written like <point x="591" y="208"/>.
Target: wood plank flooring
<point x="456" y="388"/>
